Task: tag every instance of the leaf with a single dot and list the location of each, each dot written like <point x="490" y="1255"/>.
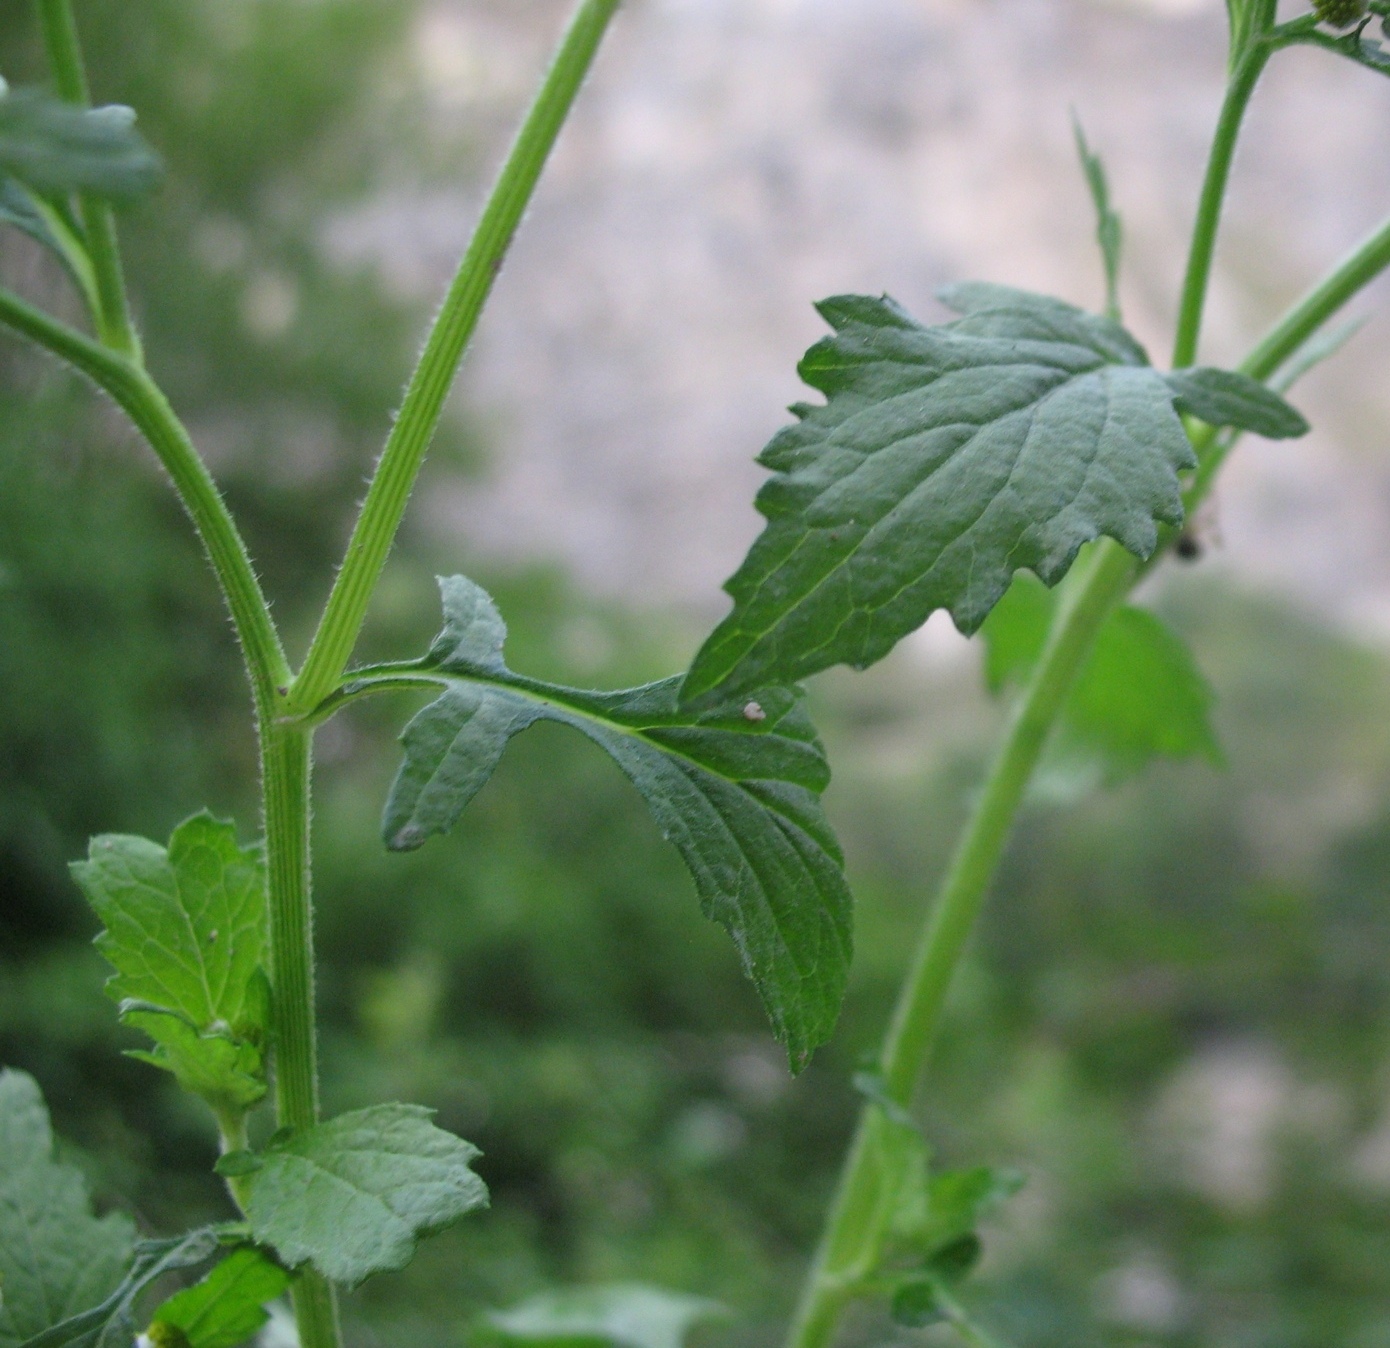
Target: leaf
<point x="53" y="226"/>
<point x="353" y="1195"/>
<point x="624" y="1315"/>
<point x="1109" y="231"/>
<point x="916" y="1305"/>
<point x="186" y="932"/>
<point x="735" y="787"/>
<point x="112" y="1324"/>
<point x="944" y="459"/>
<point x="56" y="1258"/>
<point x="1139" y="695"/>
<point x="1228" y="398"/>
<point x="228" y="1306"/>
<point x="58" y="148"/>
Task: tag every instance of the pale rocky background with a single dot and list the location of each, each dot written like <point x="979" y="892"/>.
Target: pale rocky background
<point x="732" y="160"/>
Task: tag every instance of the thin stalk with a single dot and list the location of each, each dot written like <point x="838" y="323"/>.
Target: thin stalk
<point x="141" y="399"/>
<point x="111" y="315"/>
<point x="853" y="1230"/>
<point x="1250" y="61"/>
<point x="423" y="404"/>
<point x="285" y="786"/>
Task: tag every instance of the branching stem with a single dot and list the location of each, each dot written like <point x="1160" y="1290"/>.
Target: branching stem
<point x="420" y="411"/>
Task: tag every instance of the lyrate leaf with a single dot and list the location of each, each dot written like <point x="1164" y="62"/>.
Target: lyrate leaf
<point x="1139" y="695"/>
<point x="735" y="787"/>
<point x="1109" y="231"/>
<point x="112" y="1323"/>
<point x="56" y="1258"/>
<point x="353" y="1195"/>
<point x="186" y="933"/>
<point x="228" y="1306"/>
<point x="57" y="148"/>
<point x="1229" y="398"/>
<point x="944" y="459"/>
<point x="623" y="1315"/>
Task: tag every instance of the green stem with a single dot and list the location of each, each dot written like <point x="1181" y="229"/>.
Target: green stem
<point x="853" y="1229"/>
<point x="141" y="399"/>
<point x="1250" y="60"/>
<point x="111" y="315"/>
<point x="423" y="404"/>
<point x="285" y="784"/>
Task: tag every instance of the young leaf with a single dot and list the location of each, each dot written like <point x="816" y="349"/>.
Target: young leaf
<point x="944" y="459"/>
<point x="623" y="1315"/>
<point x="934" y="1220"/>
<point x="1109" y="232"/>
<point x="58" y="148"/>
<point x="228" y="1306"/>
<point x="734" y="787"/>
<point x="1139" y="696"/>
<point x="353" y="1195"/>
<point x="917" y="1305"/>
<point x="1229" y="398"/>
<point x="112" y="1324"/>
<point x="186" y="932"/>
<point x="56" y="1258"/>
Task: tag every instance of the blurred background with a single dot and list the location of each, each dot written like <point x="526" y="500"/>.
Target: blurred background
<point x="1176" y="1018"/>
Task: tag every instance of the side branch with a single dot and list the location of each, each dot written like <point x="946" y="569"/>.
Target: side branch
<point x="405" y="450"/>
<point x="132" y="389"/>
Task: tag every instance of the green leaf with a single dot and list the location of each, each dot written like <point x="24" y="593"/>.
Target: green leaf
<point x="916" y="1305"/>
<point x="944" y="459"/>
<point x="186" y="932"/>
<point x="57" y="148"/>
<point x="51" y="224"/>
<point x="56" y="1258"/>
<point x="624" y="1315"/>
<point x="112" y="1324"/>
<point x="1228" y="398"/>
<point x="353" y="1195"/>
<point x="735" y="787"/>
<point x="228" y="1306"/>
<point x="1109" y="231"/>
<point x="1139" y="695"/>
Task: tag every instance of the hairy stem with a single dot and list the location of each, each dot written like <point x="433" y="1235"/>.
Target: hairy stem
<point x="423" y="404"/>
<point x="141" y="399"/>
<point x="111" y="315"/>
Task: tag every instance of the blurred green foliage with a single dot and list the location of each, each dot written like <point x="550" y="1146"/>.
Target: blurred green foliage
<point x="1176" y="1018"/>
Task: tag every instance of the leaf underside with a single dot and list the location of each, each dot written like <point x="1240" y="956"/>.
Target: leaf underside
<point x="186" y="930"/>
<point x="57" y="148"/>
<point x="56" y="1258"/>
<point x="1139" y="696"/>
<point x="735" y="788"/>
<point x="354" y="1195"/>
<point x="944" y="459"/>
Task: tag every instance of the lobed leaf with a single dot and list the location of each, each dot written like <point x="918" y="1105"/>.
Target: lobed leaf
<point x="57" y="148"/>
<point x="735" y="787"/>
<point x="228" y="1306"/>
<point x="354" y="1195"/>
<point x="944" y="459"/>
<point x="186" y="932"/>
<point x="1139" y="695"/>
<point x="56" y="1258"/>
<point x="623" y="1315"/>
